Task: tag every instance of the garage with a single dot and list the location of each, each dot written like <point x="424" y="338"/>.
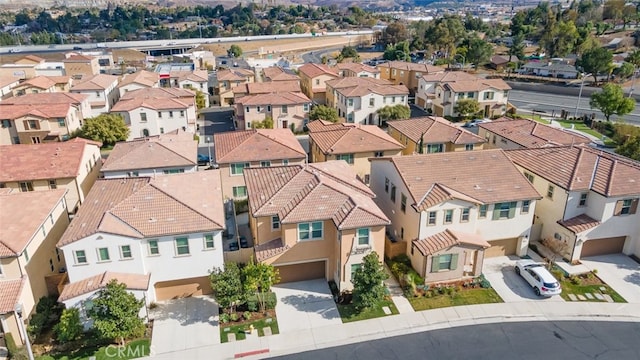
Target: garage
<point x="174" y="289"/>
<point x="502" y="248"/>
<point x="301" y="272"/>
<point x="603" y="246"/>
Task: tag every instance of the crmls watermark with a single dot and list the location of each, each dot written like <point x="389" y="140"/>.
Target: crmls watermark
<point x="129" y="352"/>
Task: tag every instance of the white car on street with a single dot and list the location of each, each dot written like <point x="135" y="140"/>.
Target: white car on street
<point x="537" y="275"/>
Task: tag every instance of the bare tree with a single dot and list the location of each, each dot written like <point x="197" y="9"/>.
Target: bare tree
<point x="558" y="249"/>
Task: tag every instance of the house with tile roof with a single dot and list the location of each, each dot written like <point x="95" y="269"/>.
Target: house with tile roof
<point x="357" y="70"/>
<point x="266" y="88"/>
<point x="314" y="221"/>
<point x="312" y="81"/>
<point x="226" y="80"/>
<point x="353" y="143"/>
<point x="102" y="90"/>
<point x="43" y="84"/>
<point x="554" y="69"/>
<point x="6" y="86"/>
<point x="427" y="85"/>
<point x="142" y="79"/>
<point x="434" y="134"/>
<point x="406" y="73"/>
<point x="42" y="117"/>
<point x="73" y="165"/>
<point x="454" y="209"/>
<point x="30" y="265"/>
<point x="238" y="150"/>
<point x="170" y="153"/>
<point x="23" y="68"/>
<point x="288" y="110"/>
<point x="185" y="76"/>
<point x="510" y="134"/>
<point x="155" y="111"/>
<point x="276" y="73"/>
<point x="590" y="199"/>
<point x="79" y="66"/>
<point x="492" y="95"/>
<point x="168" y="228"/>
<point x="358" y="99"/>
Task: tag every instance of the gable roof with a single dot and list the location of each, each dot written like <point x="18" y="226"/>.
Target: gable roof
<point x="73" y="57"/>
<point x="446" y="239"/>
<point x="156" y="99"/>
<point x="274" y="99"/>
<point x="142" y="77"/>
<point x="477" y="84"/>
<point x="312" y="70"/>
<point x="256" y="145"/>
<point x="351" y="81"/>
<point x="56" y="160"/>
<point x="45" y="82"/>
<point x="46" y="98"/>
<point x="267" y="87"/>
<point x="22" y="215"/>
<point x="166" y="150"/>
<point x="237" y="74"/>
<point x="580" y="223"/>
<point x="96" y="82"/>
<point x="448" y="76"/>
<point x="100" y="281"/>
<point x="44" y="111"/>
<point x="357" y="68"/>
<point x="195" y="75"/>
<point x="482" y="177"/>
<point x="145" y="207"/>
<point x="159" y="93"/>
<point x="435" y="129"/>
<point x="409" y="66"/>
<point x="579" y="168"/>
<point x="323" y="191"/>
<point x="276" y="73"/>
<point x="532" y="134"/>
<point x="10" y="292"/>
<point x="342" y="138"/>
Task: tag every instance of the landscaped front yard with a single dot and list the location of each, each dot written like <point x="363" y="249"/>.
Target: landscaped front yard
<point x="134" y="349"/>
<point x="348" y="312"/>
<point x="456" y="297"/>
<point x="240" y="330"/>
<point x="587" y="287"/>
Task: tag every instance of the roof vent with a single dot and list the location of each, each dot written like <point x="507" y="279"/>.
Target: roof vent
<point x="472" y="157"/>
<point x="324" y="196"/>
<point x="476" y="186"/>
<point x="419" y="162"/>
<point x="418" y="178"/>
<point x="152" y="220"/>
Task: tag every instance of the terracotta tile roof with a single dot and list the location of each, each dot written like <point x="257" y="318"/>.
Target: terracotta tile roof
<point x="357" y="68"/>
<point x="281" y="98"/>
<point x="78" y="58"/>
<point x="275" y="73"/>
<point x="448" y="76"/>
<point x="580" y="168"/>
<point x="362" y="90"/>
<point x="159" y="93"/>
<point x="8" y="80"/>
<point x="256" y="145"/>
<point x="153" y="104"/>
<point x="349" y="82"/>
<point x="97" y="82"/>
<point x="44" y="111"/>
<point x="93" y="283"/>
<point x="166" y="150"/>
<point x="312" y="70"/>
<point x="45" y="82"/>
<point x="532" y="134"/>
<point x="57" y="160"/>
<point x="10" y="292"/>
<point x="343" y="138"/>
<point x="46" y="98"/>
<point x="142" y="77"/>
<point x="580" y="223"/>
<point x="435" y="129"/>
<point x="22" y="215"/>
<point x="267" y="87"/>
<point x="446" y="239"/>
<point x="477" y="85"/>
<point x="409" y="66"/>
<point x="234" y="74"/>
<point x="270" y="249"/>
<point x="34" y="58"/>
<point x="195" y="75"/>
<point x="145" y="207"/>
<point x="482" y="177"/>
<point x="322" y="191"/>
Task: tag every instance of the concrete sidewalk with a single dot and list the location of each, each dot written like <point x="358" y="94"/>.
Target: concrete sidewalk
<point x="341" y="334"/>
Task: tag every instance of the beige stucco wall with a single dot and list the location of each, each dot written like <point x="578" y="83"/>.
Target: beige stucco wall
<point x="229" y="181"/>
<point x="349" y="253"/>
<point x="82" y="69"/>
<point x="263" y="230"/>
<point x="467" y="255"/>
<point x="27" y="71"/>
<point x="411" y="146"/>
<point x="301" y="251"/>
<point x="495" y="141"/>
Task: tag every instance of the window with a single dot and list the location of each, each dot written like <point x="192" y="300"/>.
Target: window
<point x="626" y="207"/>
<point x="80" y="257"/>
<point x="363" y="237"/>
<point x="153" y="247"/>
<point x="160" y="114"/>
<point x="583" y="199"/>
<point x="444" y="262"/>
<point x="208" y="241"/>
<point x="182" y="246"/>
<point x="161" y="130"/>
<point x="468" y="147"/>
<point x="247" y="109"/>
<point x="52" y="184"/>
<point x="448" y="216"/>
<point x="346" y="157"/>
<point x="488" y="95"/>
<point x="317" y="81"/>
<point x="431" y="220"/>
<point x="238" y="168"/>
<point x="386" y="185"/>
<point x="504" y="210"/>
<point x="170" y="114"/>
<point x="372" y="101"/>
<point x="269" y="108"/>
<point x="526" y="204"/>
<point x="354" y="269"/>
<point x="173" y="171"/>
<point x="103" y="254"/>
<point x="125" y="252"/>
<point x="529" y="177"/>
<point x="310" y="231"/>
<point x="275" y="222"/>
<point x="378" y="154"/>
<point x="350" y="102"/>
<point x="143" y="117"/>
<point x="285" y="162"/>
<point x="350" y="117"/>
<point x="470" y="95"/>
<point x="239" y="191"/>
<point x="285" y="109"/>
<point x="550" y="191"/>
<point x="26" y="255"/>
<point x="61" y="122"/>
<point x="181" y="113"/>
<point x="265" y="163"/>
<point x="32" y="125"/>
<point x="464" y="216"/>
<point x="434" y="148"/>
<point x="26" y="186"/>
<point x="403" y="203"/>
<point x="393" y="193"/>
<point x="6" y="123"/>
<point x="305" y="107"/>
<point x="44" y="231"/>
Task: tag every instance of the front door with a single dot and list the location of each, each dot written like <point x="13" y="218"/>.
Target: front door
<point x="487" y="111"/>
<point x="285" y="124"/>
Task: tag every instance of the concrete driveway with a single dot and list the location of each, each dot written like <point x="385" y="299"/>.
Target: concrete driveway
<point x="509" y="285"/>
<point x="619" y="271"/>
<point x="305" y="305"/>
<point x="185" y="323"/>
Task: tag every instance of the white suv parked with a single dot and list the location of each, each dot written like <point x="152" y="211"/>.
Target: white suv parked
<point x="537" y="275"/>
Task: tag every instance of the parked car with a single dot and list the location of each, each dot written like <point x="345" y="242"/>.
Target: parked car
<point x="243" y="242"/>
<point x="15" y="50"/>
<point x="77" y="48"/>
<point x="475" y="122"/>
<point x="234" y="246"/>
<point x="203" y="159"/>
<point x="537" y="275"/>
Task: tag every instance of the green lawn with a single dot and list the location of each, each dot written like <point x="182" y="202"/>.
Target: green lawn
<point x="134" y="349"/>
<point x="348" y="313"/>
<point x="570" y="288"/>
<point x="239" y="329"/>
<point x="464" y="297"/>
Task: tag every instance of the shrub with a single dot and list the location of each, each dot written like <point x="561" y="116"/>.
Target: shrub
<point x="153" y="305"/>
<point x="69" y="328"/>
<point x="595" y="271"/>
<point x="46" y="304"/>
<point x="242" y="206"/>
<point x="575" y="280"/>
<point x="246" y="315"/>
<point x="484" y="283"/>
<point x="558" y="274"/>
<point x="224" y="318"/>
<point x="270" y="301"/>
<point x="234" y="317"/>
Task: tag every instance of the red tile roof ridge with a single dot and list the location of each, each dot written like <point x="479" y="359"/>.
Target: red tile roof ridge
<point x="152" y="184"/>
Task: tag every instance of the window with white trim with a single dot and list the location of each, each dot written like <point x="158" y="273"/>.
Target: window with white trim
<point x="346" y="157"/>
<point x="310" y="231"/>
<point x="448" y="216"/>
<point x="239" y="191"/>
<point x="464" y="215"/>
<point x="583" y="199"/>
<point x="550" y="190"/>
<point x="182" y="246"/>
<point x="363" y="236"/>
<point x="431" y="219"/>
<point x="526" y="204"/>
<point x="209" y="242"/>
<point x="275" y="222"/>
<point x="153" y="247"/>
<point x="354" y="269"/>
<point x="103" y="254"/>
<point x="238" y="168"/>
<point x="80" y="257"/>
<point x="125" y="252"/>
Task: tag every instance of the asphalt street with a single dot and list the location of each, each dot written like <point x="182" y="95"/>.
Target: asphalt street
<point x="316" y="55"/>
<point x="567" y="340"/>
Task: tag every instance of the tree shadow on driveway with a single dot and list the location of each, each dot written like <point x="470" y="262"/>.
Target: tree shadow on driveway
<point x="187" y="311"/>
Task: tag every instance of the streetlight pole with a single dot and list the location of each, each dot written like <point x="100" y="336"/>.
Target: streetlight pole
<point x="633" y="82"/>
<point x="575" y="114"/>
<point x="208" y="140"/>
<point x="23" y="332"/>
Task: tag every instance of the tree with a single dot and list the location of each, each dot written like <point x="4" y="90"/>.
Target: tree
<point x="625" y="71"/>
<point x="69" y="327"/>
<point x="467" y="108"/>
<point x="258" y="278"/>
<point x="479" y="52"/>
<point x="399" y="51"/>
<point x="394" y="112"/>
<point x="394" y="33"/>
<point x="517" y="47"/>
<point x="634" y="58"/>
<point x="267" y="123"/>
<point x="322" y="112"/>
<point x="349" y="52"/>
<point x="558" y="248"/>
<point x="227" y="286"/>
<point x="596" y="61"/>
<point x="106" y="128"/>
<point x="201" y="101"/>
<point x="115" y="313"/>
<point x="368" y="287"/>
<point x="611" y="101"/>
<point x="630" y="148"/>
<point x="235" y="51"/>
